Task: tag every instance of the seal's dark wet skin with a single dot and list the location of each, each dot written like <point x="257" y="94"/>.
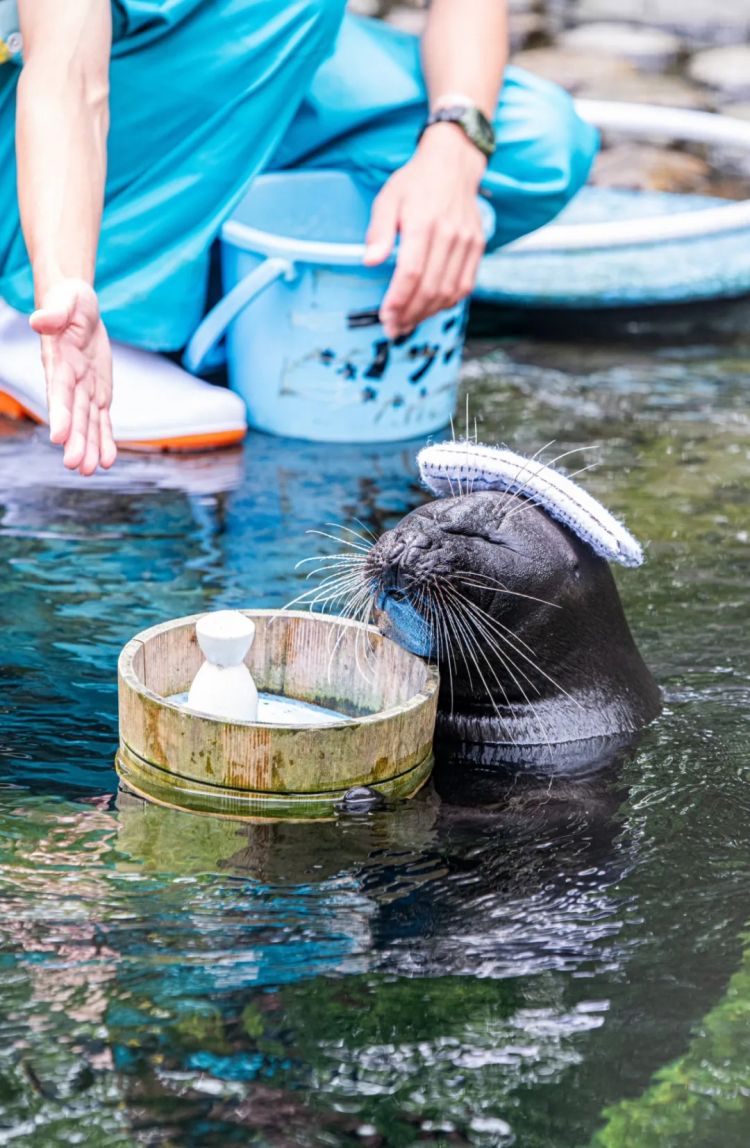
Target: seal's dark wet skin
<point x="360" y="799"/>
<point x="526" y="624"/>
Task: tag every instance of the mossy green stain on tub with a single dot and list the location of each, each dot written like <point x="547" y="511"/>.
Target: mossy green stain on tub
<point x="148" y="781"/>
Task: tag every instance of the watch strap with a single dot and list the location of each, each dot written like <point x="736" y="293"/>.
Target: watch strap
<point x="483" y="137"/>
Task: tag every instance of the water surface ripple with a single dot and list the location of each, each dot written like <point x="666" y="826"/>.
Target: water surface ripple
<point x="564" y="967"/>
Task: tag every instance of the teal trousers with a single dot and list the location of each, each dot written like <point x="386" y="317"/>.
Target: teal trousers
<point x="205" y="94"/>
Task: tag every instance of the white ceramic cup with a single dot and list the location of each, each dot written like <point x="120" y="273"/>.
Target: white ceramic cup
<point x="225" y="637"/>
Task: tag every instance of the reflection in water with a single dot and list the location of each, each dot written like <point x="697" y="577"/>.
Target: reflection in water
<point x="496" y="961"/>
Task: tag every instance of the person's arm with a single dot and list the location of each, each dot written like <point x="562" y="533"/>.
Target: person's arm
<point x="61" y="149"/>
<point x="431" y="202"/>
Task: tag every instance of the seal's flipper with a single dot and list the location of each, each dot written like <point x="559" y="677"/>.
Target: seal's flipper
<point x="455" y="468"/>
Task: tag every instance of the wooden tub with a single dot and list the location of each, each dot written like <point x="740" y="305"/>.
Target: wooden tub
<point x="180" y="758"/>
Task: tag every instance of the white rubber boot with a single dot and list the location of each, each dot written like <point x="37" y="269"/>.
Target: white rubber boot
<point x="156" y="405"/>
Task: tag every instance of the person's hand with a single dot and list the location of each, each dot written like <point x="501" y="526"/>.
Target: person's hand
<point x="431" y="203"/>
<point x="78" y="367"/>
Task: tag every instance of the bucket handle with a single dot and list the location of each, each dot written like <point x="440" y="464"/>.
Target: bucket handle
<point x="215" y="323"/>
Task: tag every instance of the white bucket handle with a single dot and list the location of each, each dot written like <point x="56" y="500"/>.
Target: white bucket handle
<point x="638" y="120"/>
<point x="215" y="323"/>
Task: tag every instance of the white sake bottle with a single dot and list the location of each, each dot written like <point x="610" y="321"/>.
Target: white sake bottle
<point x="223" y="686"/>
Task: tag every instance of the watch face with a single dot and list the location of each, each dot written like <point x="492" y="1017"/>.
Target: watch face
<point x="479" y="130"/>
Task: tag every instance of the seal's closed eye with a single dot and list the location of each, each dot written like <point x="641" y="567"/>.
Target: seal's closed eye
<point x="487" y="534"/>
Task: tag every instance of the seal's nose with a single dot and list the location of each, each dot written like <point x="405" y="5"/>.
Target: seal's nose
<point x="389" y="587"/>
<point x="410" y="553"/>
<point x="416" y="544"/>
<point x="395" y="560"/>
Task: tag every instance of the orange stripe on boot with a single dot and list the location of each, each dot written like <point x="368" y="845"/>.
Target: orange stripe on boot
<point x="190" y="442"/>
<point x="12" y="409"/>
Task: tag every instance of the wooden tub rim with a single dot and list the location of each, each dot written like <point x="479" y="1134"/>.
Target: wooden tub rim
<point x="130" y="678"/>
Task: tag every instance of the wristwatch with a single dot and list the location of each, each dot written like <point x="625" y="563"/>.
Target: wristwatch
<point x="472" y="122"/>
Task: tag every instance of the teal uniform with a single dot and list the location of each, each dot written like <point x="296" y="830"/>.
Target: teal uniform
<point x="204" y="94"/>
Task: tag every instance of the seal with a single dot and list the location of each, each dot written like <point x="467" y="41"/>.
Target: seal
<point x="524" y="619"/>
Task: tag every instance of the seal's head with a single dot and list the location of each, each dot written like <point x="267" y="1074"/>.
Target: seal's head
<point x="523" y="618"/>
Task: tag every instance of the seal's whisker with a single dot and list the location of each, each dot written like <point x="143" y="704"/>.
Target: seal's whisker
<point x="505" y="723"/>
<point x="530" y="502"/>
<point x="469" y="482"/>
<point x="435" y="624"/>
<point x="359" y="608"/>
<point x="363" y="611"/>
<point x="498" y="627"/>
<point x="484" y="582"/>
<point x="358" y="604"/>
<point x="583" y="469"/>
<point x="524" y="467"/>
<point x="495" y="624"/>
<point x="351" y="608"/>
<point x="355" y="590"/>
<point x="364" y="638"/>
<point x="511" y="668"/>
<point x="367" y="530"/>
<point x="488" y="624"/>
<point x="469" y="644"/>
<point x="345" y="585"/>
<point x="341" y="541"/>
<point x="448" y="614"/>
<point x="458" y="476"/>
<point x="528" y="469"/>
<point x="534" y="665"/>
<point x="452" y="662"/>
<point x="358" y="588"/>
<point x="337" y="567"/>
<point x="359" y="596"/>
<point x="333" y="572"/>
<point x="340" y="631"/>
<point x="333" y="579"/>
<point x="510" y="593"/>
<point x="349" y="558"/>
<point x="538" y="453"/>
<point x="449" y="611"/>
<point x="573" y="450"/>
<point x="445" y="645"/>
<point x="355" y="533"/>
<point x="475" y="617"/>
<point x="324" y="599"/>
<point x="443" y="641"/>
<point x="329" y="590"/>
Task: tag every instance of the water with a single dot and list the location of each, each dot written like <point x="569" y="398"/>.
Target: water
<point x="572" y="963"/>
<point x="275" y="709"/>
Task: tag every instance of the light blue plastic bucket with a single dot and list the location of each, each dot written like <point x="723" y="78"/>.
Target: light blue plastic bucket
<point x="305" y="348"/>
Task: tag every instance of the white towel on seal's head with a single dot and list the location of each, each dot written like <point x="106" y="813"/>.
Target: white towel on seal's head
<point x="452" y="468"/>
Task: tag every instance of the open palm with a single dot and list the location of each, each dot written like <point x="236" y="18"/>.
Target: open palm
<point x="78" y="367"/>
